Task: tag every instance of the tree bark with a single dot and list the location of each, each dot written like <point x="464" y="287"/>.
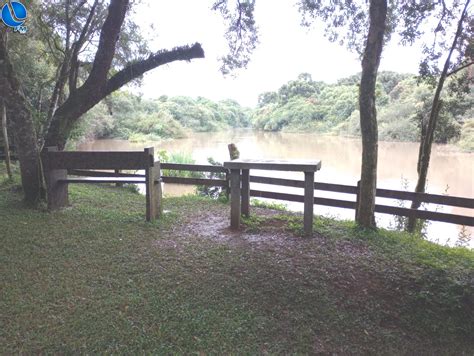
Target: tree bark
<point x="23" y="127"/>
<point x="424" y="153"/>
<point x="5" y="139"/>
<point x="368" y="115"/>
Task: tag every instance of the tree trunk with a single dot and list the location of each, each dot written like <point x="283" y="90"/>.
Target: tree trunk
<point x="5" y="139"/>
<point x="428" y="130"/>
<point x="368" y="115"/>
<point x="23" y="127"/>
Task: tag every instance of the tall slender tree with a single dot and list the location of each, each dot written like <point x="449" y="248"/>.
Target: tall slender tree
<point x="382" y="18"/>
<point x="460" y="55"/>
<point x="368" y="113"/>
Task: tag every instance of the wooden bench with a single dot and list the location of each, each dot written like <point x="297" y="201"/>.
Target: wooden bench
<point x="240" y="185"/>
<point x="58" y="165"/>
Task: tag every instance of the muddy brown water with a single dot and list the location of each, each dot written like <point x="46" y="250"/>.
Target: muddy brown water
<point x="451" y="171"/>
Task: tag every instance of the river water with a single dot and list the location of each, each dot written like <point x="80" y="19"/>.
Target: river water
<point x="451" y="171"/>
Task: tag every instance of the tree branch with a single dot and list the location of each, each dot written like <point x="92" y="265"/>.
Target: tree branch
<point x="84" y="99"/>
<point x="454" y="71"/>
<point x="77" y="45"/>
<point x="135" y="70"/>
<point x="107" y="44"/>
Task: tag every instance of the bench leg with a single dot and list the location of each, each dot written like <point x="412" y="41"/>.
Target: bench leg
<point x="235" y="199"/>
<point x="57" y="193"/>
<point x="308" y="202"/>
<point x="149" y="194"/>
<point x="157" y="192"/>
<point x="153" y="193"/>
<point x="245" y="192"/>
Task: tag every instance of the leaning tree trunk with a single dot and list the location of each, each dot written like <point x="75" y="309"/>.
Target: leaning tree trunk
<point x="3" y="111"/>
<point x="427" y="136"/>
<point x="23" y="127"/>
<point x="368" y="115"/>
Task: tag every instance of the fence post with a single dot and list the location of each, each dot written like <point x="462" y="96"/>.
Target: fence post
<point x="158" y="194"/>
<point x="227" y="188"/>
<point x="150" y="193"/>
<point x="245" y="193"/>
<point x="357" y="200"/>
<point x="308" y="203"/>
<point x="235" y="199"/>
<point x="117" y="174"/>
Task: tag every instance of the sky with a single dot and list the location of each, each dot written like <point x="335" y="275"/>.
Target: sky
<point x="286" y="49"/>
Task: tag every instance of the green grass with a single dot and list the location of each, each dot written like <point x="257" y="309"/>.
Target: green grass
<point x="96" y="278"/>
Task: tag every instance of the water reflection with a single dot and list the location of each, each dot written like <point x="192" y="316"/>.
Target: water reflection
<point x="450" y="172"/>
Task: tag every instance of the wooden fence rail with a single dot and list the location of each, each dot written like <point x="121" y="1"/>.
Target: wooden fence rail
<point x="329" y="187"/>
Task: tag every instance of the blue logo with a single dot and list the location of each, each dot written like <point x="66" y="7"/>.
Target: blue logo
<point x="13" y="14"/>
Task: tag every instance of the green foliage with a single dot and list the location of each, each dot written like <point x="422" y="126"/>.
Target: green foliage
<point x="212" y="192"/>
<point x="178" y="157"/>
<point x="268" y="204"/>
<point x="97" y="123"/>
<point x="467" y="136"/>
<point x="128" y="116"/>
<point x="241" y="33"/>
<point x="403" y="103"/>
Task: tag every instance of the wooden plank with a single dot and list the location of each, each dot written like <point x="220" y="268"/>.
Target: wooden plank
<point x="427" y="215"/>
<point x="195" y="181"/>
<point x="99" y="160"/>
<point x="308" y="203"/>
<point x="193" y="167"/>
<point x="96" y="180"/>
<point x="336" y="203"/>
<point x="89" y="173"/>
<point x="381" y="193"/>
<point x="338" y="188"/>
<point x="276" y="196"/>
<point x="275" y="165"/>
<point x="427" y="198"/>
<point x="384" y="209"/>
<point x="277" y="181"/>
<point x="300" y="199"/>
<point x="245" y="193"/>
<point x="235" y="199"/>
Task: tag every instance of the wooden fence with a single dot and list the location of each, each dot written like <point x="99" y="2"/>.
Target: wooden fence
<point x="328" y="187"/>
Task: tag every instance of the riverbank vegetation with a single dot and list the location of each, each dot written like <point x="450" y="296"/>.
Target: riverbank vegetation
<point x="303" y="104"/>
<point x="402" y="102"/>
<point x="128" y="116"/>
<point x="97" y="278"/>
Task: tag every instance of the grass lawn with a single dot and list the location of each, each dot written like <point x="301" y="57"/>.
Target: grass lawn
<point x="96" y="278"/>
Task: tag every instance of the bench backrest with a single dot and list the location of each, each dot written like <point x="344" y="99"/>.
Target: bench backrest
<point x="98" y="159"/>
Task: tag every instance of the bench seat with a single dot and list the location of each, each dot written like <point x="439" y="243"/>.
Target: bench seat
<point x="95" y="180"/>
